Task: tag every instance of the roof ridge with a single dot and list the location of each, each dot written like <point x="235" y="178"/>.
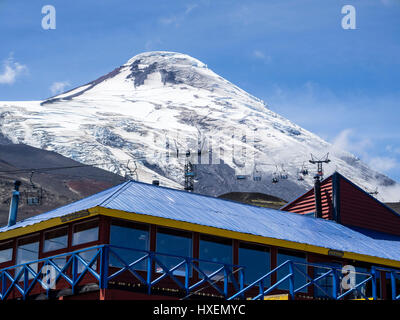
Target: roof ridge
<point x="203" y="195"/>
<point x="115" y="193"/>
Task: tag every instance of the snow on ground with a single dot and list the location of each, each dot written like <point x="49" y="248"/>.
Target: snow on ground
<point x="162" y="102"/>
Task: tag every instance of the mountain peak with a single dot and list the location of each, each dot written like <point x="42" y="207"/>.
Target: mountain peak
<point x="166" y="57"/>
<point x="162" y="103"/>
<point x="152" y="68"/>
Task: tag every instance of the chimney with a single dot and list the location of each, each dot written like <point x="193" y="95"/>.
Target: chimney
<point x="12" y="216"/>
<point x="317" y="196"/>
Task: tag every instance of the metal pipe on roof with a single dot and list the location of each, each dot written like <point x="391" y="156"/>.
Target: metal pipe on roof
<point x="317" y="196"/>
<point x="12" y="216"/>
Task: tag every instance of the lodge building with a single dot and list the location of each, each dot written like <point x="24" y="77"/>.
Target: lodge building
<point x="142" y="241"/>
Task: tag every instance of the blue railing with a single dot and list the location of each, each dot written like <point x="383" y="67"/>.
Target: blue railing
<point x="113" y="262"/>
<point x="333" y="274"/>
<point x="106" y="263"/>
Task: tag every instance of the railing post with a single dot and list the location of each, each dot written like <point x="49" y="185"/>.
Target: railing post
<point x="74" y="271"/>
<point x="291" y="280"/>
<point x="3" y="285"/>
<point x="373" y="275"/>
<point x="393" y="281"/>
<point x="104" y="254"/>
<point x="261" y="288"/>
<point x="241" y="278"/>
<point x="26" y="281"/>
<point x="187" y="274"/>
<point x="335" y="281"/>
<point x="226" y="280"/>
<point x="149" y="272"/>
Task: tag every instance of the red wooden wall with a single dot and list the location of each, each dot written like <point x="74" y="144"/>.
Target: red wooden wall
<point x="306" y="203"/>
<point x="358" y="208"/>
<point x="354" y="206"/>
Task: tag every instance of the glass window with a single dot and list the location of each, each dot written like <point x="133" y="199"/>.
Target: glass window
<point x="173" y="243"/>
<point x="6" y="251"/>
<point x="87" y="256"/>
<point x="300" y="262"/>
<point x="133" y="238"/>
<point x="326" y="283"/>
<point x="362" y="273"/>
<point x="27" y="251"/>
<point x="256" y="259"/>
<point x="85" y="232"/>
<point x="216" y="250"/>
<point x="55" y="239"/>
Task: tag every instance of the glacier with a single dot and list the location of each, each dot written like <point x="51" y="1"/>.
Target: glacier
<point x="140" y="119"/>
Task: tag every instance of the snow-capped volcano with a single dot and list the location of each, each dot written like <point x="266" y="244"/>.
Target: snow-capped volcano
<point x="159" y="105"/>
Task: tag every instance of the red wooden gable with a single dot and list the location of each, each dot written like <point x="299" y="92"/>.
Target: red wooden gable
<point x="348" y="204"/>
<point x="306" y="203"/>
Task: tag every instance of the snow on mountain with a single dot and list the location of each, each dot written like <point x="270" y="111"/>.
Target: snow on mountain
<point x="159" y="105"/>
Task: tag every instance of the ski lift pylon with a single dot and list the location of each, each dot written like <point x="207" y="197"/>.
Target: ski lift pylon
<point x="131" y="173"/>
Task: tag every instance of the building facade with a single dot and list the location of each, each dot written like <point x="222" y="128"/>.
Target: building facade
<point x="141" y="241"/>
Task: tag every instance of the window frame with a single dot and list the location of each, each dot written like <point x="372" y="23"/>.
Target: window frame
<point x="84" y="244"/>
<point x="216" y="239"/>
<point x="60" y="250"/>
<point x="23" y="239"/>
<point x="256" y="247"/>
<point x="12" y="247"/>
<point x="176" y="232"/>
<point x="294" y="253"/>
<point x="131" y="225"/>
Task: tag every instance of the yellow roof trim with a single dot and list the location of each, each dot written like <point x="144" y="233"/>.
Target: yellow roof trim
<point x="53" y="222"/>
<point x="167" y="222"/>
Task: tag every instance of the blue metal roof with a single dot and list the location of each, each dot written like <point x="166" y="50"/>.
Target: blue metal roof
<point x="179" y="205"/>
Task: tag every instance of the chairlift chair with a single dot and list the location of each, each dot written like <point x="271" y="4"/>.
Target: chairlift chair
<point x="300" y="177"/>
<point x="33" y="194"/>
<point x="256" y="175"/>
<point x="275" y="178"/>
<point x="304" y="170"/>
<point x="283" y="174"/>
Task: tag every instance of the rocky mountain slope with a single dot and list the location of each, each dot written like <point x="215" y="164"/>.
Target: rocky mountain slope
<point x="53" y="188"/>
<point x="159" y="105"/>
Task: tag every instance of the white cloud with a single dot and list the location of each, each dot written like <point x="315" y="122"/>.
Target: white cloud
<point x="169" y="20"/>
<point x="177" y="19"/>
<point x="190" y="7"/>
<point x="392" y="193"/>
<point x="59" y="87"/>
<point x="347" y="140"/>
<point x="152" y="44"/>
<point x="393" y="149"/>
<point x="11" y="71"/>
<point x="262" y="56"/>
<point x="390" y="2"/>
<point x="383" y="164"/>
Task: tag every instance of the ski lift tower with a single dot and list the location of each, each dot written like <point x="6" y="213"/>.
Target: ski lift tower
<point x="189" y="174"/>
<point x="319" y="162"/>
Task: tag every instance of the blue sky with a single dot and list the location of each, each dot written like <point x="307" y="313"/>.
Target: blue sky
<point x="343" y="85"/>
